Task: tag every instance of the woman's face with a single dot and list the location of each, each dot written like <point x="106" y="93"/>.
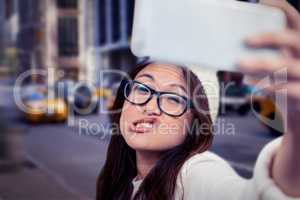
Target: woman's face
<point x="146" y="127"/>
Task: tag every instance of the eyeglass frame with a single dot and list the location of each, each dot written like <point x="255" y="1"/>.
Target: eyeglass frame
<point x="189" y="102"/>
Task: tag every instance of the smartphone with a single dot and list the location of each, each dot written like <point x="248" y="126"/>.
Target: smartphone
<point x="208" y="33"/>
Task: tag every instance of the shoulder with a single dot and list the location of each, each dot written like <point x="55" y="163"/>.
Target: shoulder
<point x="206" y="161"/>
<point x="207" y="174"/>
<point x="207" y="168"/>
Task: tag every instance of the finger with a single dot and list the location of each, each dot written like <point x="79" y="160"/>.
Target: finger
<point x="290" y="89"/>
<point x="292" y="14"/>
<point x="286" y="97"/>
<point x="250" y="80"/>
<point x="281" y="67"/>
<point x="286" y="52"/>
<point x="261" y="65"/>
<point x="284" y="39"/>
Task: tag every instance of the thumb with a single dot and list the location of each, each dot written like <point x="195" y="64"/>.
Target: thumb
<point x="291" y="13"/>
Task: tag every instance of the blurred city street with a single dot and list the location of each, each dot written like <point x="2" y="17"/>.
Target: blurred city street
<point x="70" y="54"/>
<point x="63" y="162"/>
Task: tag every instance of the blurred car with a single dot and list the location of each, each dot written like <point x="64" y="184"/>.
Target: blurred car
<point x="113" y="93"/>
<point x="39" y="109"/>
<point x="234" y="99"/>
<point x="269" y="114"/>
<point x="63" y="88"/>
<point x="104" y="93"/>
<point x="242" y="98"/>
<point x="84" y="100"/>
<point x="110" y="102"/>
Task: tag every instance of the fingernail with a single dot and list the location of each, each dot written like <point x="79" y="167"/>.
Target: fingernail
<point x="252" y="40"/>
<point x="245" y="63"/>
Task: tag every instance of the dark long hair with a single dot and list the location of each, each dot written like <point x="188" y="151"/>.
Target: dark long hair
<point x="115" y="179"/>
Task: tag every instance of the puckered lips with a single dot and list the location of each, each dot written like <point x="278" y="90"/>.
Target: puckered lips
<point x="143" y="125"/>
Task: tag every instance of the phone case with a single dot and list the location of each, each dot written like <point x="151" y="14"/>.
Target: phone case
<point x="208" y="33"/>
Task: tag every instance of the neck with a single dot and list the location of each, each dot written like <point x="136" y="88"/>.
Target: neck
<point x="145" y="161"/>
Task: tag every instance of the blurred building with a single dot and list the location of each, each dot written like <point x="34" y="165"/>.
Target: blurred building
<point x="112" y="32"/>
<point x="9" y="22"/>
<point x="72" y="31"/>
<point x="2" y="21"/>
<point x="29" y="45"/>
<point x="8" y="35"/>
<point x="79" y="37"/>
<point x="48" y="33"/>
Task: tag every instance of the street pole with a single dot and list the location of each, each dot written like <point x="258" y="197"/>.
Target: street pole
<point x="12" y="147"/>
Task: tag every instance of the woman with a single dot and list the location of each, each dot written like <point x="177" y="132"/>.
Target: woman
<point x="159" y="150"/>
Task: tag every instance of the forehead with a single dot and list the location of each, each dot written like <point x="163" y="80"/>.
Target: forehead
<point x="163" y="73"/>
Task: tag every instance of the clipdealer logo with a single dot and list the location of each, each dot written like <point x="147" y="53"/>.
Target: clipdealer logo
<point x="279" y="98"/>
<point x="55" y="90"/>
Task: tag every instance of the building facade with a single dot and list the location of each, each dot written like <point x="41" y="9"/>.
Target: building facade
<point x="112" y="33"/>
<point x="78" y="37"/>
<point x="2" y="21"/>
<point x="65" y="37"/>
<point x="48" y="33"/>
<point x="9" y="26"/>
<point x="113" y="25"/>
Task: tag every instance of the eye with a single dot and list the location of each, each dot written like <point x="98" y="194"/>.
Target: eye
<point x="140" y="89"/>
<point x="175" y="99"/>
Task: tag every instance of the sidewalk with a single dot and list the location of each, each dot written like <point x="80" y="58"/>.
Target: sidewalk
<point x="33" y="181"/>
<point x="33" y="184"/>
<point x="65" y="166"/>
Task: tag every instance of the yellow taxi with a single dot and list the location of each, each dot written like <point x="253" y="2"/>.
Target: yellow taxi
<point x="52" y="110"/>
<point x="39" y="108"/>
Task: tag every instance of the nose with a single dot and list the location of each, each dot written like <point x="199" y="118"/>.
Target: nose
<point x="151" y="107"/>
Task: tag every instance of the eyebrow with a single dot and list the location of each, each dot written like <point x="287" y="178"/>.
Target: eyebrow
<point x="180" y="86"/>
<point x="147" y="76"/>
<point x="171" y="85"/>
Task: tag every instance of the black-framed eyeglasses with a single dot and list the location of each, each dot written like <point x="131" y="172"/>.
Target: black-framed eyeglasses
<point x="169" y="103"/>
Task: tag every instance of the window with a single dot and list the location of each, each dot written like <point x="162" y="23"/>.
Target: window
<point x="130" y="11"/>
<point x="9" y="8"/>
<point x="67" y="4"/>
<point x="116" y="20"/>
<point x="68" y="36"/>
<point x="102" y="22"/>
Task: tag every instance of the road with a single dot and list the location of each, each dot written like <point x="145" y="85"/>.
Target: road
<point x="74" y="156"/>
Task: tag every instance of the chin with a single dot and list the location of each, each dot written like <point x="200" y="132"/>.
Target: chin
<point x="139" y="143"/>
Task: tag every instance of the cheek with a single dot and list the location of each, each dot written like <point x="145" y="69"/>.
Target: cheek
<point x="169" y="133"/>
<point x="174" y="130"/>
<point x="177" y="129"/>
<point x="170" y="128"/>
<point x="126" y="112"/>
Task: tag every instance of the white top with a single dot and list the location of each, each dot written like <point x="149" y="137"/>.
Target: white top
<point x="207" y="176"/>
